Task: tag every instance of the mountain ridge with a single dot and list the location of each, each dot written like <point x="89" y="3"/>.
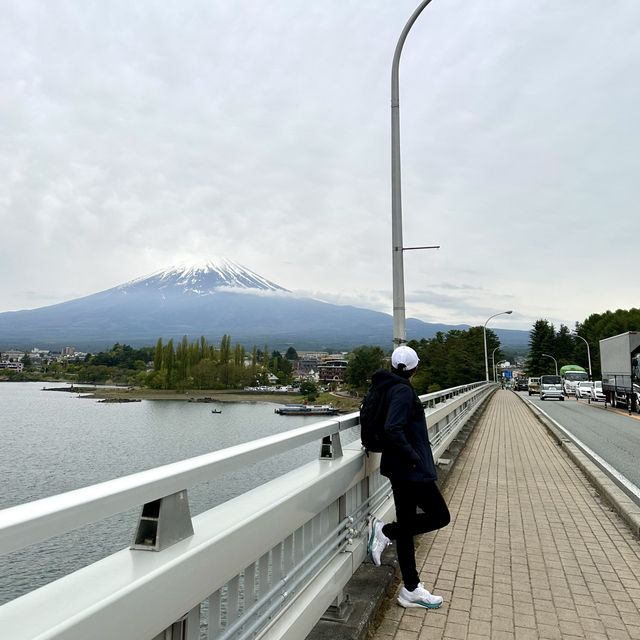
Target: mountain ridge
<point x="209" y="298"/>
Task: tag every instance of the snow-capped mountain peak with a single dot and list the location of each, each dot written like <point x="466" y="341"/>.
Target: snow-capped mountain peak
<point x="204" y="277"/>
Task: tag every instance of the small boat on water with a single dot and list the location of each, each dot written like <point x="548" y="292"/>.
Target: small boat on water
<point x="307" y="410"/>
<point x="216" y="410"/>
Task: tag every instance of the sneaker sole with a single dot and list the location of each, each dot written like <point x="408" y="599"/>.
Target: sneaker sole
<point x="408" y="604"/>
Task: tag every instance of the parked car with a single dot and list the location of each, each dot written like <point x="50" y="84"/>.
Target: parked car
<point x="597" y="394"/>
<point x="551" y="387"/>
<point x="533" y="385"/>
<point x="583" y="389"/>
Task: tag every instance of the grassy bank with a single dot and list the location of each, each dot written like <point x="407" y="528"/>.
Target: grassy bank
<point x="345" y="404"/>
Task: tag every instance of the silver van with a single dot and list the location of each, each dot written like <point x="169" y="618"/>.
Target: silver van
<point x="551" y="387"/>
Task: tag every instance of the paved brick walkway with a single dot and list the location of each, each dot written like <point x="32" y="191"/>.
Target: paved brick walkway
<point x="531" y="552"/>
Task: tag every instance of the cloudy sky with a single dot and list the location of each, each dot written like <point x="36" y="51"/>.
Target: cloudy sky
<point x="134" y="135"/>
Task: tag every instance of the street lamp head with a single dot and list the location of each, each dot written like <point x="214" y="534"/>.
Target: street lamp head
<point x="510" y="311"/>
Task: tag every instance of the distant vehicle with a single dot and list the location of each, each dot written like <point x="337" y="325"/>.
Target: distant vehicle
<point x="521" y="384"/>
<point x="583" y="389"/>
<point x="551" y="387"/>
<point x="533" y="385"/>
<point x="620" y="364"/>
<point x="571" y="374"/>
<point x="597" y="394"/>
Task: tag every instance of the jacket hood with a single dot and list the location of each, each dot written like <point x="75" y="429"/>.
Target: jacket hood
<point x="383" y="378"/>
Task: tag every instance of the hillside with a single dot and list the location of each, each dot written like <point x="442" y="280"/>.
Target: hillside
<point x="209" y="299"/>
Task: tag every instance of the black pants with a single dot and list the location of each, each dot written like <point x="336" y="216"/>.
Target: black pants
<point x="408" y="496"/>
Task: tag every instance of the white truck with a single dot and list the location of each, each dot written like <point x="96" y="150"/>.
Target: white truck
<point x="571" y="374"/>
<point x="620" y="364"/>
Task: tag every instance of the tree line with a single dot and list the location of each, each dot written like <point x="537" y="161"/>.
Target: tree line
<point x="200" y="365"/>
<point x="567" y="349"/>
<point x="177" y="365"/>
<point x="447" y="360"/>
<point x="457" y="356"/>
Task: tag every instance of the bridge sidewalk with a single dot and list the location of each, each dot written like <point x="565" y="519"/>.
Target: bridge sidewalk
<point x="531" y="552"/>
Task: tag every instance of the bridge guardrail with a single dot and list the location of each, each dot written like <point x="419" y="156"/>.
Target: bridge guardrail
<point x="267" y="562"/>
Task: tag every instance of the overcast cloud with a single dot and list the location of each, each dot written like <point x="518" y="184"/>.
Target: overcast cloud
<point x="134" y="135"/>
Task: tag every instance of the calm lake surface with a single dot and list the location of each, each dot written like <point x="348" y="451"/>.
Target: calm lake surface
<point x="52" y="442"/>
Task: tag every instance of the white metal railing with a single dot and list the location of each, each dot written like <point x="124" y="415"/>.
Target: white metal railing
<point x="265" y="564"/>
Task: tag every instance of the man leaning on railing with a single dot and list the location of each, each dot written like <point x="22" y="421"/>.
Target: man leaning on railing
<point x="407" y="460"/>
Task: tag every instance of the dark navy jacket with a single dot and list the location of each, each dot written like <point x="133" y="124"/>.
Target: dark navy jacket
<point x="406" y="455"/>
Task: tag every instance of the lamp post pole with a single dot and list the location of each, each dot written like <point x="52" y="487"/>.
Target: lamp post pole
<point x="575" y="335"/>
<point x="493" y="364"/>
<point x="554" y="360"/>
<point x="399" y="326"/>
<point x="486" y="357"/>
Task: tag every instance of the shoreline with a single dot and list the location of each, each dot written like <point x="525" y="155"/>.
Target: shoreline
<point x="205" y="396"/>
<point x="199" y="395"/>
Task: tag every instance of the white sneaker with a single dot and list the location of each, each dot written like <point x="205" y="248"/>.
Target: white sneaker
<point x="378" y="542"/>
<point x="419" y="597"/>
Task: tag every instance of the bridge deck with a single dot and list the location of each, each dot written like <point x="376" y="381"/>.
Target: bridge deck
<point x="532" y="552"/>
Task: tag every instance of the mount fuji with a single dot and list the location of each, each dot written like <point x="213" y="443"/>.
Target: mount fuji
<point x="210" y="299"/>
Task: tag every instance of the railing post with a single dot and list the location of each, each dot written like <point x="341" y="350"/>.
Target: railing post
<point x="163" y="522"/>
<point x="340" y="609"/>
<point x="331" y="447"/>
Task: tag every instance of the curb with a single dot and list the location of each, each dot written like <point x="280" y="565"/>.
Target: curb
<point x="372" y="589"/>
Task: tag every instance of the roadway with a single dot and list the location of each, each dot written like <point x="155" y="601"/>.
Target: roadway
<point x="611" y="433"/>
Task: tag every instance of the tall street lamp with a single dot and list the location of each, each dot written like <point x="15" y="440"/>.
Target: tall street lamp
<point x="575" y="335"/>
<point x="546" y="355"/>
<point x="486" y="358"/>
<point x="399" y="327"/>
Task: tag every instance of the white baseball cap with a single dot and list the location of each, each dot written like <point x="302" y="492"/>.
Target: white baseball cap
<point x="406" y="356"/>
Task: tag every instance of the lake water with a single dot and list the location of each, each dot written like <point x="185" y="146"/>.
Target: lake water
<point x="51" y="442"/>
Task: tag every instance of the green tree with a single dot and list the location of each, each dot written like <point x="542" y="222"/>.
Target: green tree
<point x="168" y="364"/>
<point x="564" y="349"/>
<point x="452" y="359"/>
<point x="157" y="357"/>
<point x="363" y="363"/>
<point x="291" y="354"/>
<point x="541" y="340"/>
<point x="205" y="374"/>
<point x="309" y="389"/>
<point x="281" y="367"/>
<point x="225" y="356"/>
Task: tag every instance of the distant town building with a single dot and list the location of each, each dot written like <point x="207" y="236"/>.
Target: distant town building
<point x="12" y="366"/>
<point x="304" y="366"/>
<point x="332" y="370"/>
<point x="12" y="355"/>
<point x="317" y="355"/>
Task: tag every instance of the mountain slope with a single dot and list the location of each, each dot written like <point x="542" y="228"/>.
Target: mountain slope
<point x="208" y="299"/>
